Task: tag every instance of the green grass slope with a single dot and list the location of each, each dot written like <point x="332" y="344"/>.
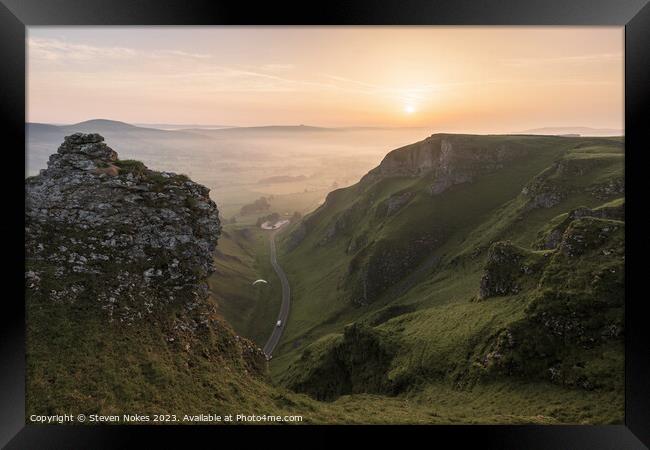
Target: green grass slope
<point x="241" y="258"/>
<point x="403" y="255"/>
<point x="468" y="279"/>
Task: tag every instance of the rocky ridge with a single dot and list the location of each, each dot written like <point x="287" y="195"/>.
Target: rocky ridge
<point x="124" y="237"/>
<point x="575" y="297"/>
<point x="551" y="238"/>
<point x="448" y="160"/>
<point x="118" y="308"/>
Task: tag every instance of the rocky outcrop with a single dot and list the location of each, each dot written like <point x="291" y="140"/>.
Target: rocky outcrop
<point x="118" y="309"/>
<point x="551" y="238"/>
<point x="542" y="191"/>
<point x="447" y="159"/>
<point x="356" y="362"/>
<point x="608" y="189"/>
<point x="574" y="308"/>
<point x="587" y="233"/>
<point x="506" y="269"/>
<point x="568" y="175"/>
<point x="115" y="234"/>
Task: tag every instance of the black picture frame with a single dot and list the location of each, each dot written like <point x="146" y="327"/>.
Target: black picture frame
<point x="16" y="15"/>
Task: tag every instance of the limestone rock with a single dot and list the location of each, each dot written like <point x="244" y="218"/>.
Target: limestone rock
<point x="551" y="239"/>
<point x="508" y="270"/>
<point x="448" y="159"/>
<point x="128" y="239"/>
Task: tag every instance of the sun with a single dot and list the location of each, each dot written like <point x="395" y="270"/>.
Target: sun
<point x="409" y="109"/>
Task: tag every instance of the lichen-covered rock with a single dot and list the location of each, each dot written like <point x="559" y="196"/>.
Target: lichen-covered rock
<point x="117" y="304"/>
<point x="587" y="233"/>
<point x="608" y="189"/>
<point x="570" y="175"/>
<point x="116" y="234"/>
<point x="574" y="313"/>
<point x="506" y="267"/>
<point x="542" y="191"/>
<point x="551" y="238"/>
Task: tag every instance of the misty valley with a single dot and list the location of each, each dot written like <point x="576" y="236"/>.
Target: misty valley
<point x="296" y="165"/>
<point x="347" y="275"/>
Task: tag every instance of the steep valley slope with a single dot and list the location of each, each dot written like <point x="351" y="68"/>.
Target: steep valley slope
<point x="466" y="263"/>
<point x="467" y="279"/>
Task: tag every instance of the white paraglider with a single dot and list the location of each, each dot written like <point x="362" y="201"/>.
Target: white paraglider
<point x="260" y="281"/>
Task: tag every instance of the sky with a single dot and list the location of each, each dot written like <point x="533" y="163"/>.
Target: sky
<point x="471" y="79"/>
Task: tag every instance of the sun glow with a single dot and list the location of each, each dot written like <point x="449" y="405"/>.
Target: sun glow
<point x="409" y="109"/>
<point x="496" y="79"/>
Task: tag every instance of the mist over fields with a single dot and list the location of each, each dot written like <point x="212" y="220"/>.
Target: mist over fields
<point x="297" y="165"/>
<point x="325" y="225"/>
<point x="450" y="270"/>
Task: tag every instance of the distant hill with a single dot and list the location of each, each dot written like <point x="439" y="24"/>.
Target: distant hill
<point x="102" y="124"/>
<point x="176" y="126"/>
<point x="105" y="126"/>
<point x="269" y="130"/>
<point x="582" y="131"/>
<point x="147" y="144"/>
<point x="279" y="128"/>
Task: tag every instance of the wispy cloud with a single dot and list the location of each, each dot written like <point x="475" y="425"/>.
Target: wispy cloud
<point x="179" y="53"/>
<point x="278" y="67"/>
<point x="55" y="49"/>
<point x="220" y="78"/>
<point x="190" y="73"/>
<point x="60" y="50"/>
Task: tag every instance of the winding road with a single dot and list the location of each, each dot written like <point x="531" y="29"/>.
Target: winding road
<point x="286" y="300"/>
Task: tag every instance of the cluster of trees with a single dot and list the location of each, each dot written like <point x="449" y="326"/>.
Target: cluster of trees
<point x="259" y="205"/>
<point x="273" y="218"/>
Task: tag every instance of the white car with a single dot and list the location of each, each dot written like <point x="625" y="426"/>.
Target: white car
<point x="279" y="323"/>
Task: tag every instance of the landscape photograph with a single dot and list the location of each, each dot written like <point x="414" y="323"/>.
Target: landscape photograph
<point x="325" y="225"/>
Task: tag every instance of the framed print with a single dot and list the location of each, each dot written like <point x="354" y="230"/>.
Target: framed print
<point x="416" y="216"/>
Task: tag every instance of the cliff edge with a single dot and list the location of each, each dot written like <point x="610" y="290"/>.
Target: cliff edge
<point x="119" y="316"/>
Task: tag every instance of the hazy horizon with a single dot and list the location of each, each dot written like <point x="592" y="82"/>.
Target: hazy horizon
<point x="180" y="127"/>
<point x="469" y="79"/>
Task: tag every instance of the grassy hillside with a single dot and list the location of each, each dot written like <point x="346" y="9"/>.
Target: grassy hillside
<point x="77" y="363"/>
<point x="404" y="256"/>
<point x="466" y="279"/>
<point x="242" y="257"/>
